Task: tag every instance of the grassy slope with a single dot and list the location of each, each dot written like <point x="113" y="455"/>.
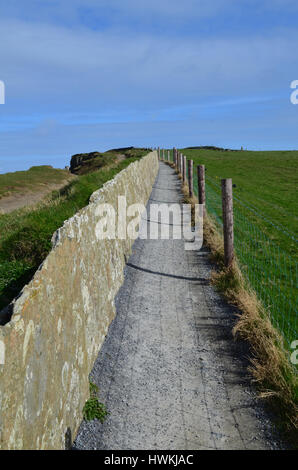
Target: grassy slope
<point x="266" y="181"/>
<point x="31" y="180"/>
<point x="25" y="236"/>
<point x="270" y="366"/>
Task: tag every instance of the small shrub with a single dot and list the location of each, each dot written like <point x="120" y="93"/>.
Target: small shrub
<point x="93" y="409"/>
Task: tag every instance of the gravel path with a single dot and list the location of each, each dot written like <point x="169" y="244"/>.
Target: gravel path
<point x="169" y="371"/>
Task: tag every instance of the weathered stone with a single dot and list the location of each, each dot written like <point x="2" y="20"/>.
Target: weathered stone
<point x="60" y="320"/>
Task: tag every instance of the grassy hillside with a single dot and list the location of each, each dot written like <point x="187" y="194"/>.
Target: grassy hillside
<point x="265" y="223"/>
<point x="265" y="181"/>
<point x="25" y="235"/>
<point x="33" y="179"/>
<point x="264" y="228"/>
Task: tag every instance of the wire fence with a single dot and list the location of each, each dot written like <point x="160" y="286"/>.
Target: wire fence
<point x="268" y="269"/>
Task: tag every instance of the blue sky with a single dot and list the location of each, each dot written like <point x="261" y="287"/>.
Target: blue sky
<point x="84" y="75"/>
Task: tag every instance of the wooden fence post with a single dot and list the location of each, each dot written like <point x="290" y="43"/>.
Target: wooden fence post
<point x="158" y="151"/>
<point x="228" y="220"/>
<point x="201" y="184"/>
<point x="190" y="177"/>
<point x="184" y="169"/>
<point x="168" y="155"/>
<point x="174" y="156"/>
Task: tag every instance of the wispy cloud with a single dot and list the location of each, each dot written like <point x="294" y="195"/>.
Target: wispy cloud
<point x="55" y="61"/>
<point x="96" y="70"/>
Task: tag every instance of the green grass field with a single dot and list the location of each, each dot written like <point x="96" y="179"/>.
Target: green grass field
<point x="31" y="180"/>
<point x="265" y="181"/>
<point x="265" y="222"/>
<point x="25" y="235"/>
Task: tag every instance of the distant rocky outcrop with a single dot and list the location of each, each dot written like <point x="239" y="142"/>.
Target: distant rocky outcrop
<point x="121" y="149"/>
<point x="80" y="158"/>
<point x="211" y="147"/>
<point x="82" y="163"/>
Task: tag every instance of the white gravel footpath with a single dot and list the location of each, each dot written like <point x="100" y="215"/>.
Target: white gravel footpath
<point x="169" y="371"/>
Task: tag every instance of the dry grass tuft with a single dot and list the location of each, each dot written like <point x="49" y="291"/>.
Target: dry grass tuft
<point x="190" y="200"/>
<point x="213" y="240"/>
<point x="171" y="164"/>
<point x="269" y="364"/>
<point x="185" y="191"/>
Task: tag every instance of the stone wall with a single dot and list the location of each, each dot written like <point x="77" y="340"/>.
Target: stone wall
<point x="60" y="320"/>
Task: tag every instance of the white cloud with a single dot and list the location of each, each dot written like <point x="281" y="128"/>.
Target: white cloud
<point x="54" y="61"/>
<point x="110" y="64"/>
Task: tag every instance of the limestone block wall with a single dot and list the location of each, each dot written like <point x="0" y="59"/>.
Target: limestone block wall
<point x="60" y="320"/>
